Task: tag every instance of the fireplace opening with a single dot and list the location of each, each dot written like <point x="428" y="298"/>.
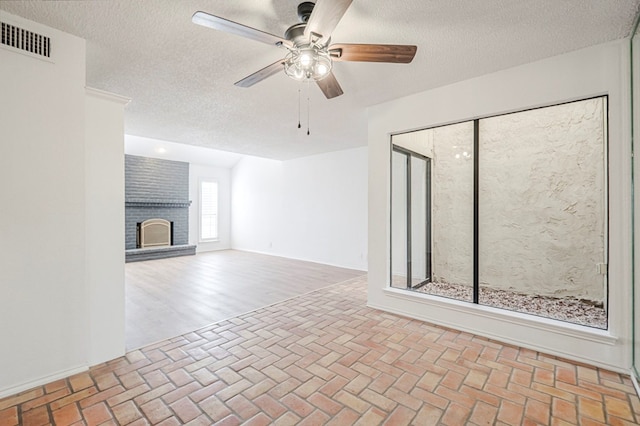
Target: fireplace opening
<point x="154" y="233"/>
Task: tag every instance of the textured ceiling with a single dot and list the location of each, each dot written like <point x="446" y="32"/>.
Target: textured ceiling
<point x="180" y="76"/>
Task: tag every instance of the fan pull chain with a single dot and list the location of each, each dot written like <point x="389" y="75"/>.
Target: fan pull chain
<point x="308" y="108"/>
<point x="299" y="107"/>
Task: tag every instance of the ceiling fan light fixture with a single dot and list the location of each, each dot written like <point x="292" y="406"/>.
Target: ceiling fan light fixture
<point x="321" y="69"/>
<point x="307" y="63"/>
<point x="306" y="58"/>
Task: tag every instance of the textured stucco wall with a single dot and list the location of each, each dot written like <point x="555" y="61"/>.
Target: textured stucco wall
<point x="452" y="203"/>
<point x="542" y="200"/>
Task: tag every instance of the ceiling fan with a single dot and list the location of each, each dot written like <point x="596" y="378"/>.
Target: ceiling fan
<point x="310" y="55"/>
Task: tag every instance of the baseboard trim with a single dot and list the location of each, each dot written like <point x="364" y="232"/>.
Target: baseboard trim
<point x="41" y="381"/>
<point x="269" y="253"/>
<point x="522" y="341"/>
<point x="599" y="336"/>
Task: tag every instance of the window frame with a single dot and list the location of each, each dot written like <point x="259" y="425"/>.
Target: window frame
<point x="476" y="220"/>
<point x="201" y="182"/>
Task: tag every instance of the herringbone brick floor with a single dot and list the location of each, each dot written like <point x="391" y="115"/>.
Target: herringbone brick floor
<point x="325" y="358"/>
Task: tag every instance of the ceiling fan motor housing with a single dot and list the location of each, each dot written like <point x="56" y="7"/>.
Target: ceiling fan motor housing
<point x="304" y="11"/>
<point x="295" y="33"/>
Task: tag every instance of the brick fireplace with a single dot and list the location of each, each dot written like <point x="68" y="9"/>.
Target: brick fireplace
<point x="156" y="189"/>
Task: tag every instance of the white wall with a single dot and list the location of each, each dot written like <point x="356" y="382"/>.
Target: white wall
<point x="42" y="255"/>
<point x="589" y="72"/>
<point x="256" y="204"/>
<point x="104" y="181"/>
<point x="198" y="172"/>
<point x="311" y="208"/>
<point x="48" y="279"/>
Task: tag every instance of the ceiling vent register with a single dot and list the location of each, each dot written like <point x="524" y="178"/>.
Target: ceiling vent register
<point x="25" y="40"/>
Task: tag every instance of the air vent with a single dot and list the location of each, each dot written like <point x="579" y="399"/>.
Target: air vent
<point x="25" y="40"/>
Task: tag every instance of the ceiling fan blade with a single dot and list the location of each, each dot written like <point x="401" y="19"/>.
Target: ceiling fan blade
<point x="330" y="86"/>
<point x="324" y="18"/>
<point x="394" y="53"/>
<point x="218" y="23"/>
<point x="258" y="76"/>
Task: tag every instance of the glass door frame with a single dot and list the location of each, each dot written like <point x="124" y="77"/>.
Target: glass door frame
<point x="634" y="86"/>
<point x="409" y="154"/>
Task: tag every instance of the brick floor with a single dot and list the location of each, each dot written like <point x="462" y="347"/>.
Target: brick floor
<point x="325" y="358"/>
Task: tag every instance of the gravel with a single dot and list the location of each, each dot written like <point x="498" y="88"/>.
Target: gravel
<point x="567" y="309"/>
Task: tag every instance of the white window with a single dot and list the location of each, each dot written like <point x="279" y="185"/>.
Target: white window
<point x="208" y="210"/>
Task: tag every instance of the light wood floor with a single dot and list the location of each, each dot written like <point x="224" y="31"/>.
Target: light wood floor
<point x="169" y="297"/>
